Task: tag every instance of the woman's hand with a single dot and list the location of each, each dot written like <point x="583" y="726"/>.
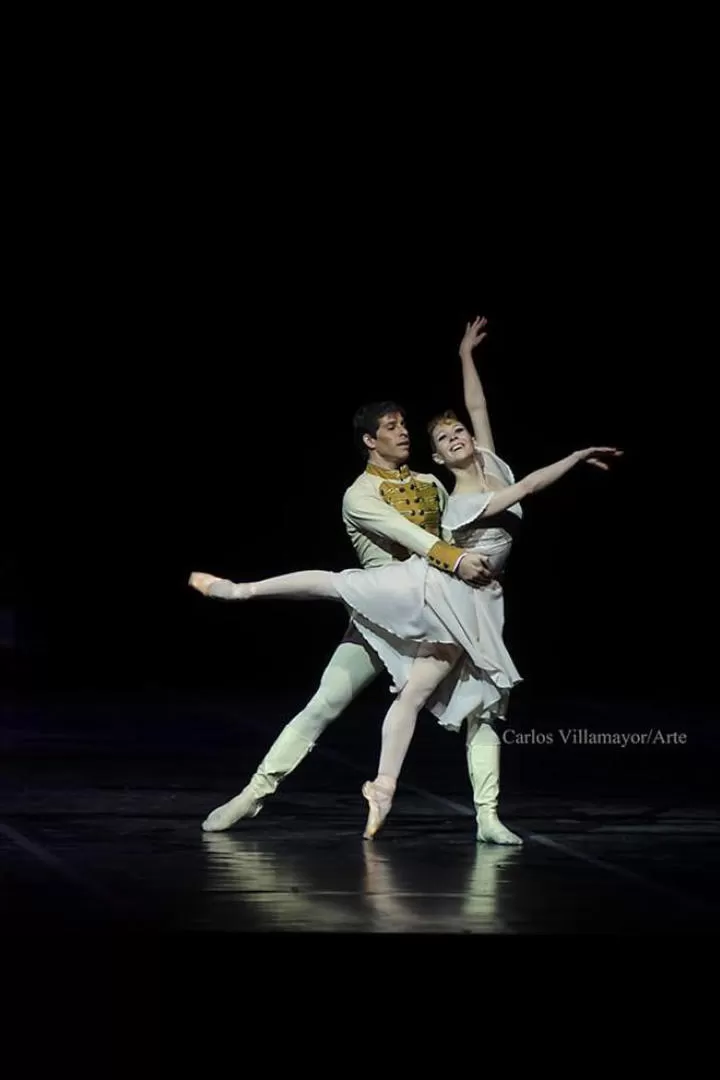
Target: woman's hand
<point x="474" y="333"/>
<point x="596" y="455"/>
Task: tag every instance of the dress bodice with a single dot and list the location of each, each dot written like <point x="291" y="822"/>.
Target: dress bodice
<point x="465" y="525"/>
<point x="463" y="519"/>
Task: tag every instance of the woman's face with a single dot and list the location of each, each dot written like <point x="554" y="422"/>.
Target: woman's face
<point x="453" y="444"/>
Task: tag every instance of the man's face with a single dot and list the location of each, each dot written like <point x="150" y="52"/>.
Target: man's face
<point x="392" y="440"/>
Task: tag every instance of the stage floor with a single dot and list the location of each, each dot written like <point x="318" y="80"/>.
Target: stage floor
<point x="101" y="806"/>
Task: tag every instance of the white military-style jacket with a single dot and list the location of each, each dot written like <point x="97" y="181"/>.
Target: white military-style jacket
<point x="394" y="513"/>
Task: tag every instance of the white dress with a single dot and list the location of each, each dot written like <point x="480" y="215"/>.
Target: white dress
<point x="402" y="605"/>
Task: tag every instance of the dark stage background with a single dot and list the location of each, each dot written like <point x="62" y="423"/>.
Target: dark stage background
<point x="215" y="434"/>
<point x="207" y="350"/>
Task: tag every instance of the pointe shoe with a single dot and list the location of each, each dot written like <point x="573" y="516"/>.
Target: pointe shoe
<point x="220" y="588"/>
<point x="202" y="582"/>
<point x="380" y="800"/>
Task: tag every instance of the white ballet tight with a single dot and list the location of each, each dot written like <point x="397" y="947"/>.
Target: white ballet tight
<point x="432" y="664"/>
<point x="429" y="669"/>
<point x="301" y="585"/>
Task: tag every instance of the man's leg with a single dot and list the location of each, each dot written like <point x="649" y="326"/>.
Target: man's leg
<point x="483" y="758"/>
<point x="352" y="667"/>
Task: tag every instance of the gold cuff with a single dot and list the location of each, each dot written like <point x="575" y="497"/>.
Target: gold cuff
<point x="444" y="556"/>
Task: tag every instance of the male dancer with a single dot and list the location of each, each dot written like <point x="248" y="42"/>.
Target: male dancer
<point x="388" y="512"/>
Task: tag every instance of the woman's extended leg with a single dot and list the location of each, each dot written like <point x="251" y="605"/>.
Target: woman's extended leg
<point x="302" y="585"/>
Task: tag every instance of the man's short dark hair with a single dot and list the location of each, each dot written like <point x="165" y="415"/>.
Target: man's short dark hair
<point x="366" y="420"/>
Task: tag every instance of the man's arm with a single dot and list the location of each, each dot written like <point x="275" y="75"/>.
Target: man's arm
<point x="369" y="512"/>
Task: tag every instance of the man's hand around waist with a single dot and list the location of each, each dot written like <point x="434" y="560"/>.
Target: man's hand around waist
<point x="474" y="569"/>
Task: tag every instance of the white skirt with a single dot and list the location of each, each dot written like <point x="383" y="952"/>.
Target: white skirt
<point x="403" y="605"/>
